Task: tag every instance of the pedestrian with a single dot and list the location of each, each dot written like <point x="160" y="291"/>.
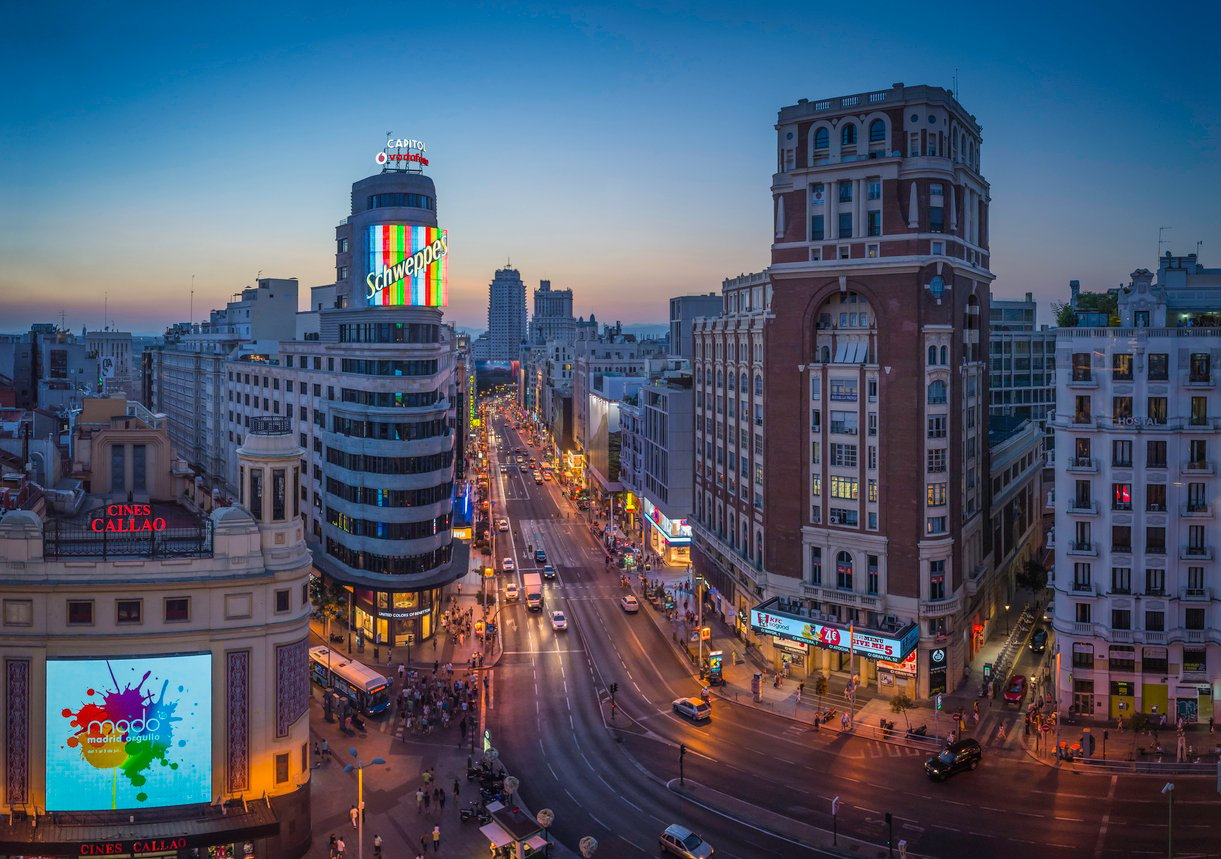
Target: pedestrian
<point x="1210" y="724"/>
<point x="377" y="846"/>
<point x="427" y="799"/>
<point x="441" y="798"/>
<point x="334" y="846"/>
<point x="455" y="790"/>
<point x="436" y="838"/>
<point x="355" y="815"/>
<point x="423" y="843"/>
<point x="341" y="849"/>
<point x="419" y="800"/>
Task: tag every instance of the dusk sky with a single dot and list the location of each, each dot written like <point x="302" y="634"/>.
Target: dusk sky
<point x="622" y="150"/>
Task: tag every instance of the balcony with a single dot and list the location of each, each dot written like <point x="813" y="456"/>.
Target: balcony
<point x="1083" y="465"/>
<point x="1199" y="467"/>
<point x="1083" y="588"/>
<point x="1082" y="629"/>
<point x="1193" y="636"/>
<point x="1155" y="636"/>
<point x="1201" y="380"/>
<point x="1083" y="507"/>
<point x="1196" y="595"/>
<point x="843" y="597"/>
<point x="1196" y="511"/>
<point x="1082" y="382"/>
<point x="1122" y="636"/>
<point x="1084" y="549"/>
<point x="1083" y="419"/>
<point x="939" y="608"/>
<point x="1121" y="549"/>
<point x="1195" y="553"/>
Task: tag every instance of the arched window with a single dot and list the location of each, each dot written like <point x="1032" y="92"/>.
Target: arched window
<point x="744" y="384"/>
<point x="758" y="386"/>
<point x="847" y="137"/>
<point x="821" y="139"/>
<point x="699" y="375"/>
<point x="877" y="131"/>
<point x="932" y="355"/>
<point x="936" y="393"/>
<point x="759" y="548"/>
<point x="720" y="379"/>
<point x="945" y="356"/>
<point x="843" y="571"/>
<point x="746" y="538"/>
<point x="825" y="357"/>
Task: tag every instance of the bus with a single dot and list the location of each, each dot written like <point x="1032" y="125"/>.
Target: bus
<point x="368" y="691"/>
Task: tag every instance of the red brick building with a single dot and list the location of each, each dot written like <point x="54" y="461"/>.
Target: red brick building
<point x="842" y="434"/>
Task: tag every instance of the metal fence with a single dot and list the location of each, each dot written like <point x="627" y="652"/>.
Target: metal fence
<point x="74" y="539"/>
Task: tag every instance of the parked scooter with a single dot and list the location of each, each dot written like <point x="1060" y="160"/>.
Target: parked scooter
<point x="888" y="727"/>
<point x="827" y="715"/>
<point x="474" y="811"/>
<point x="922" y="731"/>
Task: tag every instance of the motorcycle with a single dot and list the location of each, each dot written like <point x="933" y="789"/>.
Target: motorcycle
<point x="922" y="731"/>
<point x="827" y="715"/>
<point x="474" y="811"/>
<point x="888" y="727"/>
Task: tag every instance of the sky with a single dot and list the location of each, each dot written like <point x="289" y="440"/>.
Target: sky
<point x="623" y="150"/>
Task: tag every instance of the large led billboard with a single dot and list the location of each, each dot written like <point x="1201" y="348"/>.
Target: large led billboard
<point x="408" y="266"/>
<point x="129" y="732"/>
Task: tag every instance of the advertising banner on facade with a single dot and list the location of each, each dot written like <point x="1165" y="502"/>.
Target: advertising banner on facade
<point x="408" y="266"/>
<point x="869" y="643"/>
<point x="129" y="732"/>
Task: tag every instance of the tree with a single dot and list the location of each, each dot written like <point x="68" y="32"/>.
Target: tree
<point x="820" y="688"/>
<point x="1032" y="576"/>
<point x="329" y="600"/>
<point x="901" y="704"/>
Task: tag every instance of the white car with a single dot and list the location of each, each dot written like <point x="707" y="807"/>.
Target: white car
<point x="508" y="565"/>
<point x="511" y="591"/>
<point x="558" y="621"/>
<point x="629" y="604"/>
<point x="502" y="525"/>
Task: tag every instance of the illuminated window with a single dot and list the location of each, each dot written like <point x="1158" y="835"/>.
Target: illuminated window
<point x="1121" y="496"/>
<point x="935" y="494"/>
<point x="844" y="487"/>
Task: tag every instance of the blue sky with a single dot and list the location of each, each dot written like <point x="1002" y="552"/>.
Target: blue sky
<point x="622" y="150"/>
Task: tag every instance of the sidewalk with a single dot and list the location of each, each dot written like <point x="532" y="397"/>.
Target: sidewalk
<point x="390" y="789"/>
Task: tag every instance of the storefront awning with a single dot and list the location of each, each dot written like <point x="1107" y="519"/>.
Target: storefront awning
<point x="496" y="835"/>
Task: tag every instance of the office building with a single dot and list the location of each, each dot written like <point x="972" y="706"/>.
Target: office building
<point x="684" y="310"/>
<point x="506" y="316"/>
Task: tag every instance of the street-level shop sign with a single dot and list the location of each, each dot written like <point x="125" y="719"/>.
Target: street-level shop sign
<point x="870" y="643"/>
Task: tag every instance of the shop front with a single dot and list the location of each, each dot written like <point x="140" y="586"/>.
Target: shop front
<point x="668" y="538"/>
<point x="396" y="618"/>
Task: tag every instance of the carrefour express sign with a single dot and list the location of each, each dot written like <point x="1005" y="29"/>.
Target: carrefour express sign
<point x="867" y="643"/>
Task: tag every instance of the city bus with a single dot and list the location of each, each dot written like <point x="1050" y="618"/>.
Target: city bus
<point x="368" y="691"/>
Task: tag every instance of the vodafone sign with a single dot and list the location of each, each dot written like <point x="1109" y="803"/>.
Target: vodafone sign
<point x="871" y="643"/>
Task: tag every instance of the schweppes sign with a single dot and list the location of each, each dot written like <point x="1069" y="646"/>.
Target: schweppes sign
<point x="408" y="266"/>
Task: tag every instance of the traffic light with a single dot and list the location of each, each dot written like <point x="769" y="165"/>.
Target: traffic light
<point x="614" y="687"/>
<point x="682" y="751"/>
<point x="938" y="700"/>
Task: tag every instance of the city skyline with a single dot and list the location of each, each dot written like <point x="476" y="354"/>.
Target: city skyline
<point x="206" y="136"/>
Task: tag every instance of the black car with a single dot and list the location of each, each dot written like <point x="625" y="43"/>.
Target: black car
<point x="1038" y="641"/>
<point x="956" y="757"/>
<point x="540" y="556"/>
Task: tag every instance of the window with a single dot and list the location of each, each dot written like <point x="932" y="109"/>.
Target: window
<point x="815" y="565"/>
<point x="845" y="422"/>
<point x="1083" y="655"/>
<point x="936" y="393"/>
<point x="1121" y="538"/>
<point x="1201" y="367"/>
<point x="843" y="571"/>
<point x="1197" y="498"/>
<point x="1121" y="496"/>
<point x="80" y="612"/>
<point x="1155" y="454"/>
<point x="877" y="131"/>
<point x="845" y="225"/>
<point x="844" y="390"/>
<point x="1083" y="612"/>
<point x="818" y="230"/>
<point x="845" y="192"/>
<point x="1155" y="497"/>
<point x="1195" y="540"/>
<point x="936" y="460"/>
<point x="935" y="494"/>
<point x="1121" y="618"/>
<point x="1157" y="409"/>
<point x="844" y="487"/>
<point x="1195" y="580"/>
<point x="281" y="767"/>
<point x="1083" y="411"/>
<point x="1155" y="540"/>
<point x="936" y="426"/>
<point x="1121" y="407"/>
<point x="1122" y="658"/>
<point x="871" y="569"/>
<point x="128" y="611"/>
<point x="282" y="601"/>
<point x="1155" y="582"/>
<point x="1081" y="367"/>
<point x="874" y="224"/>
<point x="18" y="612"/>
<point x="936" y="581"/>
<point x="936" y="219"/>
<point x="1121" y="454"/>
<point x="1199" y="412"/>
<point x="1121" y="367"/>
<point x="1195" y="659"/>
<point x="840" y="516"/>
<point x="872" y="461"/>
<point x="935" y="525"/>
<point x="822" y="139"/>
<point x="177" y="608"/>
<point x="1121" y="580"/>
<point x="847" y="136"/>
<point x="118" y="468"/>
<point x="843" y="455"/>
<point x="1193" y="618"/>
<point x="938" y="249"/>
<point x="1159" y="367"/>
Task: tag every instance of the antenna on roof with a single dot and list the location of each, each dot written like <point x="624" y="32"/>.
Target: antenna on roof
<point x="955" y="84"/>
<point x="191" y="312"/>
<point x="1160" y="240"/>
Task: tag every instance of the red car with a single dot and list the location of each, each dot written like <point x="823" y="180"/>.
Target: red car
<point x="1016" y="690"/>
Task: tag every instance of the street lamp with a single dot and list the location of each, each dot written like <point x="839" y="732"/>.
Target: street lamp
<point x="1169" y="791"/>
<point x="1006" y="618"/>
<point x="546" y="818"/>
<point x="588" y="846"/>
<point x="360" y="798"/>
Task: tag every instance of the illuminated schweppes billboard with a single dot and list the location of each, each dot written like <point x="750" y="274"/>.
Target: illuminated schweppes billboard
<point x="408" y="266"/>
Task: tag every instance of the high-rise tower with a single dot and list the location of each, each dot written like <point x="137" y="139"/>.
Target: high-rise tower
<point x="506" y="315"/>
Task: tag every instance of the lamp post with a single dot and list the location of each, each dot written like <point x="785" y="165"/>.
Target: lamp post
<point x="1006" y="618"/>
<point x="1169" y="791"/>
<point x="360" y="798"/>
<point x="588" y="846"/>
<point x="546" y="818"/>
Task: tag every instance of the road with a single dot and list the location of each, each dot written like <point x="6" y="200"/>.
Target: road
<point x="615" y="780"/>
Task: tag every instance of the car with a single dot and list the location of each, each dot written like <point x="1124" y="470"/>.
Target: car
<point x="1049" y="613"/>
<point x="509" y="565"/>
<point x="546" y="476"/>
<point x="558" y="621"/>
<point x="629" y="604"/>
<point x="502" y="525"/>
<point x="538" y="481"/>
<point x="695" y="709"/>
<point x="681" y="841"/>
<point x="540" y="556"/>
<point x="956" y="757"/>
<point x="511" y="591"/>
<point x="504" y="469"/>
<point x="1016" y="690"/>
<point x="548" y="572"/>
<point x="1038" y="641"/>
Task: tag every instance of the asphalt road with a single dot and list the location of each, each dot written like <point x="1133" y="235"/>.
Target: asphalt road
<point x="551" y="720"/>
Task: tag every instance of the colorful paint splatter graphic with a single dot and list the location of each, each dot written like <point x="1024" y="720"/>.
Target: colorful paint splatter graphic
<point x="132" y="732"/>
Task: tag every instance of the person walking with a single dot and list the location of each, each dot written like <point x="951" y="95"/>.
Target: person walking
<point x="436" y="838"/>
<point x="456" y="790"/>
<point x="377" y="846"/>
<point x="427" y="799"/>
<point x="354" y="815"/>
<point x="419" y="800"/>
<point x="334" y="846"/>
<point x="341" y="849"/>
<point x="423" y="843"/>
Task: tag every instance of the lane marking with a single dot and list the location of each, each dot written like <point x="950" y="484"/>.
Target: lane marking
<point x="1106" y="818"/>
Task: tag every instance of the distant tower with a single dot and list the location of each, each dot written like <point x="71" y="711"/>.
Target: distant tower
<point x="506" y="315"/>
<point x="269" y="486"/>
